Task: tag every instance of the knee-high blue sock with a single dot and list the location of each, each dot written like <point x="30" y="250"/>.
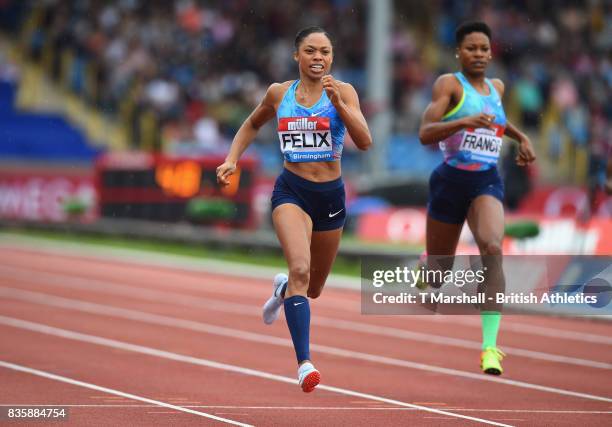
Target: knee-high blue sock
<point x="297" y="313"/>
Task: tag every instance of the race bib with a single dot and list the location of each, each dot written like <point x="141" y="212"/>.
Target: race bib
<point x="305" y="139"/>
<point x="482" y="144"/>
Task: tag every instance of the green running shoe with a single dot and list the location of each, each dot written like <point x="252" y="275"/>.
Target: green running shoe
<point x="490" y="359"/>
<point x="421" y="267"/>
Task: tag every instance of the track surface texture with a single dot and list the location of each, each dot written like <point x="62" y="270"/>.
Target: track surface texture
<point x="136" y="343"/>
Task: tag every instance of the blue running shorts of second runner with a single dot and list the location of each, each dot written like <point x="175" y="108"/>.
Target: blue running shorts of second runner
<point x="452" y="190"/>
<point x="322" y="201"/>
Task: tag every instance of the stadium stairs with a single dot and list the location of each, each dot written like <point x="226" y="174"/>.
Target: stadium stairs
<point x="41" y="121"/>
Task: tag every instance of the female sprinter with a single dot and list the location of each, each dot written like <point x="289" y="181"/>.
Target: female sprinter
<point x="308" y="209"/>
<point x="467" y="118"/>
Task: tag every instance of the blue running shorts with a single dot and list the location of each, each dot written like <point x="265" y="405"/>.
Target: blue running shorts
<point x="452" y="190"/>
<point x="324" y="202"/>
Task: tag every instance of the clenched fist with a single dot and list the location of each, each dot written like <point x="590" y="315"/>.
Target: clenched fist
<point x="332" y="88"/>
<point x="481" y="120"/>
<point x="224" y="172"/>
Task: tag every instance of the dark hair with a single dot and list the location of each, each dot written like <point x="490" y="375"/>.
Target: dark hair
<point x="305" y="32"/>
<point x="471" y="27"/>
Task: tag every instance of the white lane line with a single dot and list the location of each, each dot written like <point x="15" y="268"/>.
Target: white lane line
<point x="319" y="408"/>
<point x="106" y="342"/>
<point x="147" y="258"/>
<point x="112" y="288"/>
<point x="453" y="342"/>
<point x="60" y="378"/>
<point x="177" y="262"/>
<point x="77" y="305"/>
<point x="534" y="411"/>
<point x="527" y="329"/>
<point x="244" y="309"/>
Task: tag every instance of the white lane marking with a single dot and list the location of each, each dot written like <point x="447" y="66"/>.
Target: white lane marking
<point x="77" y="305"/>
<point x="527" y="329"/>
<point x="147" y="258"/>
<point x="138" y="259"/>
<point x="67" y="380"/>
<point x="453" y="342"/>
<point x="109" y="287"/>
<point x="106" y="342"/>
<point x="320" y="408"/>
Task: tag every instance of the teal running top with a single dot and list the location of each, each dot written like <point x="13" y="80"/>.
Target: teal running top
<point x="475" y="149"/>
<point x="314" y="134"/>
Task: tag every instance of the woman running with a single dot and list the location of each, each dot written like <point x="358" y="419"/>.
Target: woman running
<point x="308" y="210"/>
<point x="467" y="118"/>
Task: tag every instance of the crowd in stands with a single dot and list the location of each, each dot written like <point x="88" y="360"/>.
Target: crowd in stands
<point x="184" y="74"/>
<point x="197" y="68"/>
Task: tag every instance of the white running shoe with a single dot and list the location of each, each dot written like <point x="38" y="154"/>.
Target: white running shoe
<point x="272" y="307"/>
<point x="308" y="377"/>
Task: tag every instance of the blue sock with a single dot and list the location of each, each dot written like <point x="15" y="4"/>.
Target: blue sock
<point x="297" y="313"/>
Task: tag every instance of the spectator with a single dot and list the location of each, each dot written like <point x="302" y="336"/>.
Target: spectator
<point x="191" y="59"/>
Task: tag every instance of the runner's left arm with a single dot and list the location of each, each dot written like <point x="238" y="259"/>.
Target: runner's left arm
<point x="526" y="153"/>
<point x="344" y="98"/>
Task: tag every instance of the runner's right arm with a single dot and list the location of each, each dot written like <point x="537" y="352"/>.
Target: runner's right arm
<point x="433" y="129"/>
<point x="264" y="112"/>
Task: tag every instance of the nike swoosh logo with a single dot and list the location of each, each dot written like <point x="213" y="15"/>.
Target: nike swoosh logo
<point x="297" y="303"/>
<point x="331" y="215"/>
<point x="316" y="114"/>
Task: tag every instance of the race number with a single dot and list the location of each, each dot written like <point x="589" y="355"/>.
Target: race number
<point x="305" y="139"/>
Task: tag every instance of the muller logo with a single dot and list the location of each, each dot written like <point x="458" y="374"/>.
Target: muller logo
<point x="302" y="124"/>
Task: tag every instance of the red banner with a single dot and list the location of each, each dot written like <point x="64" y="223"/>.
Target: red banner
<point x="42" y="195"/>
<point x="557" y="235"/>
<point x="567" y="202"/>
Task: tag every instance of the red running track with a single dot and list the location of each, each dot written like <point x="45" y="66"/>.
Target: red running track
<point x="133" y="343"/>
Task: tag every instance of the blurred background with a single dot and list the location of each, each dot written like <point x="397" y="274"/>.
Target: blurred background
<point x="114" y="114"/>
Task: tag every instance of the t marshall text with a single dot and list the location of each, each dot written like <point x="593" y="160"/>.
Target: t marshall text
<point x="481" y="298"/>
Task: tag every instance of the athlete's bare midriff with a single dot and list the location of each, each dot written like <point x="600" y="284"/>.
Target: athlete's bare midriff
<point x="315" y="171"/>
